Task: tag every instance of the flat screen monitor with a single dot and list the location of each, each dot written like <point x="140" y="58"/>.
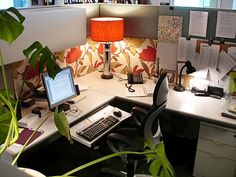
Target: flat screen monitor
<point x="60" y="89"/>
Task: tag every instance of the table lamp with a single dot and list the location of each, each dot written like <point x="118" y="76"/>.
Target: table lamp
<point x="189" y="69"/>
<point x="107" y="30"/>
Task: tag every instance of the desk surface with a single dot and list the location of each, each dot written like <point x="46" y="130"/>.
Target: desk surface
<point x="203" y="108"/>
<point x="102" y="91"/>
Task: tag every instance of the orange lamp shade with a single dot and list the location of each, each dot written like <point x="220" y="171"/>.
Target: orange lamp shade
<point x="107" y="29"/>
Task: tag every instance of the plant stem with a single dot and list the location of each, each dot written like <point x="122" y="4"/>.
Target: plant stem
<point x="13" y="132"/>
<point x="105" y="158"/>
<point x="4" y="75"/>
<point x="26" y="143"/>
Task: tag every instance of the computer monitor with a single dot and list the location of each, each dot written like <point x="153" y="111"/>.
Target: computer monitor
<point x="60" y="89"/>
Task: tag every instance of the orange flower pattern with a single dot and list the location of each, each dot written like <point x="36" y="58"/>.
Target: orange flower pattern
<point x="148" y="54"/>
<point x="73" y="55"/>
<point x="30" y="73"/>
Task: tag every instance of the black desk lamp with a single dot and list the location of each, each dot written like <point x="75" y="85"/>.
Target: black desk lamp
<point x="189" y="69"/>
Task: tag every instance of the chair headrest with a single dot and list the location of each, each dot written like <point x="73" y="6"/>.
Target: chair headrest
<point x="161" y="90"/>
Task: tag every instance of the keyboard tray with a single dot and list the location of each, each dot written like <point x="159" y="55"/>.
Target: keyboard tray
<point x="77" y="131"/>
<point x="97" y="128"/>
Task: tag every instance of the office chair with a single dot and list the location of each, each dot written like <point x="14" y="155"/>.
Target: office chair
<point x="144" y="124"/>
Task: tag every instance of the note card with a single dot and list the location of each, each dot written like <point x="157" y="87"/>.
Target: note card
<point x="198" y="23"/>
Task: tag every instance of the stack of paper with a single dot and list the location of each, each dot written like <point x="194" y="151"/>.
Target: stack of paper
<point x="144" y="90"/>
<point x="28" y="120"/>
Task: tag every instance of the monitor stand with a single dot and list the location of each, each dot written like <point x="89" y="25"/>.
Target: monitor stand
<point x="62" y="107"/>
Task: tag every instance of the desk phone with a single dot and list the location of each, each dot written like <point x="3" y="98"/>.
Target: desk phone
<point x="135" y="78"/>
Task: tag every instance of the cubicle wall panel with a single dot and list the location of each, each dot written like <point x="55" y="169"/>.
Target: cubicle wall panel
<point x="92" y="10"/>
<point x="140" y="20"/>
<point x="58" y="28"/>
<point x="185" y="12"/>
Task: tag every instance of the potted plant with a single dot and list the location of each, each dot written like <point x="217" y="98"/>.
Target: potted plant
<point x="11" y="28"/>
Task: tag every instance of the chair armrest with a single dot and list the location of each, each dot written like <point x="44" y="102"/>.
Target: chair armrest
<point x="118" y="138"/>
<point x="137" y="114"/>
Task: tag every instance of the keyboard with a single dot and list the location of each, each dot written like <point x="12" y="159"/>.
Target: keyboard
<point x="97" y="128"/>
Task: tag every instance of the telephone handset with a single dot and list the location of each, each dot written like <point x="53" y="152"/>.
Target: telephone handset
<point x="135" y="78"/>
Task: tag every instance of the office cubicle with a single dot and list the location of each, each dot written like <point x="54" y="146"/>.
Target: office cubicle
<point x="142" y="20"/>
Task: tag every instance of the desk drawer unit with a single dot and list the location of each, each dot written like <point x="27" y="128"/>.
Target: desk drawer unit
<point x="216" y="152"/>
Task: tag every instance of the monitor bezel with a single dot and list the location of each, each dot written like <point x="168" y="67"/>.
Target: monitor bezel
<point x="63" y="101"/>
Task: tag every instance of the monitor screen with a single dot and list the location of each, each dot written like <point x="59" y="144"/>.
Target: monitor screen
<point x="60" y="89"/>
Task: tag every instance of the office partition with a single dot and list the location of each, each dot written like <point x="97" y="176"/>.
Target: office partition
<point x="58" y="28"/>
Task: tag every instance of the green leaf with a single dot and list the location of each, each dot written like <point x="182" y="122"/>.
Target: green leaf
<point x="33" y="52"/>
<point x="11" y="24"/>
<point x="155" y="167"/>
<point x="62" y="124"/>
<point x="46" y="58"/>
<point x="5" y="119"/>
<point x="10" y="94"/>
<point x="160" y="165"/>
<point x="149" y="157"/>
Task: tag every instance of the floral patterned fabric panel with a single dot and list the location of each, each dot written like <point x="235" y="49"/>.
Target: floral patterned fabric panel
<point x="169" y="28"/>
<point x="32" y="79"/>
<point x="129" y="55"/>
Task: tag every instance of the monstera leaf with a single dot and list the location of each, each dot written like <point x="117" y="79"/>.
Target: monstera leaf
<point x="46" y="58"/>
<point x="11" y="24"/>
<point x="159" y="164"/>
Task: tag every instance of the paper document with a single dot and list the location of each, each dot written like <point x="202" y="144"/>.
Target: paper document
<point x="82" y="87"/>
<point x="232" y="52"/>
<point x="198" y="23"/>
<point x="186" y="49"/>
<point x="138" y="91"/>
<point x="141" y="90"/>
<point x="208" y="57"/>
<point x="225" y="64"/>
<point x="167" y="53"/>
<point x="226" y="24"/>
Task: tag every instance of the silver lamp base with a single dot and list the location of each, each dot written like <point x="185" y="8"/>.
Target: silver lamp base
<point x="107" y="62"/>
<point x="103" y="76"/>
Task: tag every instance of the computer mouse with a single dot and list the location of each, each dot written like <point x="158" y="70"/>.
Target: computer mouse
<point x="117" y="113"/>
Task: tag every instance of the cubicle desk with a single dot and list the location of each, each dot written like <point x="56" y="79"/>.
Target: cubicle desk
<point x="100" y="92"/>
